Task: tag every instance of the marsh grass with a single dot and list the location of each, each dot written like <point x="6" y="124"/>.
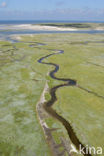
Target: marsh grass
<point x="23" y="80"/>
<point x="20" y="131"/>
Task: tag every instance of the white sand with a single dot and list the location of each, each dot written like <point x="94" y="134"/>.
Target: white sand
<point x="99" y="28"/>
<point x="39" y="27"/>
<point x="36" y="27"/>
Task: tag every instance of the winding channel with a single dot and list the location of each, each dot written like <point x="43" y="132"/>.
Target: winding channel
<point x="67" y="82"/>
<point x="48" y="105"/>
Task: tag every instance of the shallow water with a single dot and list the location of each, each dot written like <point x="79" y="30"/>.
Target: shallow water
<point x="13" y="32"/>
<point x="5" y="35"/>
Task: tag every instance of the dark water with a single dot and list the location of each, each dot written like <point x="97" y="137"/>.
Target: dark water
<point x="44" y="21"/>
<point x="48" y="105"/>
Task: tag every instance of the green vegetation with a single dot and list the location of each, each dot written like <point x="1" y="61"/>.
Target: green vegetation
<point x="76" y="25"/>
<point x="23" y="79"/>
<point x="84" y="63"/>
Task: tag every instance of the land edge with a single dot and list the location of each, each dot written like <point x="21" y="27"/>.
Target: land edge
<point x="42" y="115"/>
<point x="39" y="27"/>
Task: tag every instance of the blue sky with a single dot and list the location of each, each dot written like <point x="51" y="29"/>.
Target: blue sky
<point x="52" y="10"/>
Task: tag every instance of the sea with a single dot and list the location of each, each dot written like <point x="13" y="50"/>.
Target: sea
<point x="44" y="21"/>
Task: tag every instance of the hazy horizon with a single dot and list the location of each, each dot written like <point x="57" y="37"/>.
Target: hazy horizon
<point x="76" y="10"/>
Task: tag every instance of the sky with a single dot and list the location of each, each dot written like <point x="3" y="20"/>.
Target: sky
<point x="83" y="10"/>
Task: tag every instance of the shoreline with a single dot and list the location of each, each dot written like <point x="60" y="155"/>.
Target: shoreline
<point x="35" y="27"/>
<point x="39" y="27"/>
